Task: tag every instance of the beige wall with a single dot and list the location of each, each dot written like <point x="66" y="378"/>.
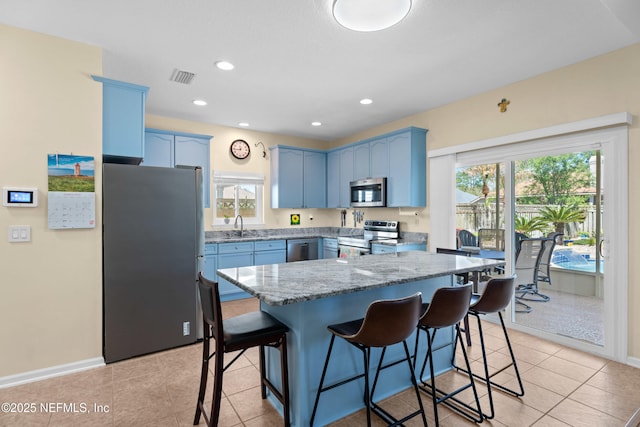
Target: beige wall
<point x="50" y="288"/>
<point x="50" y="291"/>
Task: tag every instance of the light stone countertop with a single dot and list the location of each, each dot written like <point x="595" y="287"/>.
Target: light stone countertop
<point x="233" y="236"/>
<point x="282" y="284"/>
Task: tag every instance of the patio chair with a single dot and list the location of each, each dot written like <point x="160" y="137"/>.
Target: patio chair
<point x="544" y="274"/>
<point x="519" y="238"/>
<point x="527" y="265"/>
<point x="467" y="238"/>
<point x="491" y="238"/>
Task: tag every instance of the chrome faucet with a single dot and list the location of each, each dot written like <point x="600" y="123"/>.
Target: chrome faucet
<point x="235" y="224"/>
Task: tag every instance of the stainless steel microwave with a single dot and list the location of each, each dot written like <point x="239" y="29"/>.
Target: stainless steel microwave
<point x="370" y="192"/>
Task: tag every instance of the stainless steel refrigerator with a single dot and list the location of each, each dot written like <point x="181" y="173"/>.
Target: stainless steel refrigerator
<point x="153" y="247"/>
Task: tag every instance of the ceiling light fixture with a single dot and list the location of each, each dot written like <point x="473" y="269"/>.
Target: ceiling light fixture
<point x="224" y="65"/>
<point x="243" y="124"/>
<point x="199" y="102"/>
<point x="370" y="15"/>
<point x="316" y="124"/>
<point x="365" y="101"/>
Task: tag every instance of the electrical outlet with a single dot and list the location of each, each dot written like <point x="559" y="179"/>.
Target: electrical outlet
<point x="186" y="328"/>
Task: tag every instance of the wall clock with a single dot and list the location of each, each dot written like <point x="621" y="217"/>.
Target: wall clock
<point x="240" y="149"/>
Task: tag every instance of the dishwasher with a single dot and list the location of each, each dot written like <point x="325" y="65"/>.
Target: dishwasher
<point x="302" y="249"/>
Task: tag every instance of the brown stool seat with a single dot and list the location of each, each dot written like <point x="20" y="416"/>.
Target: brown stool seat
<point x="256" y="329"/>
<point x="496" y="297"/>
<point x="386" y="322"/>
<point x="447" y="308"/>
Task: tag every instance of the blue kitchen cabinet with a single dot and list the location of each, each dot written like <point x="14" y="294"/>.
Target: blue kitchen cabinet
<point x="379" y="154"/>
<point x="270" y="252"/>
<point x="158" y="150"/>
<point x="339" y="174"/>
<point x="211" y="261"/>
<point x="333" y="179"/>
<point x="298" y="178"/>
<point x="122" y="118"/>
<point x="362" y="162"/>
<point x="230" y="255"/>
<point x="287" y="169"/>
<point x="392" y="249"/>
<point x="330" y="248"/>
<point x="346" y="176"/>
<point x="315" y="179"/>
<point x="407" y="179"/>
<point x="169" y="149"/>
<point x="382" y="249"/>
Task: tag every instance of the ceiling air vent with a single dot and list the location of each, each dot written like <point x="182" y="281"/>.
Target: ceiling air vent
<point x="183" y="77"/>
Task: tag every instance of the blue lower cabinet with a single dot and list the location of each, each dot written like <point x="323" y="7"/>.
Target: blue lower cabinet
<point x="392" y="249"/>
<point x="330" y="248"/>
<point x="270" y="252"/>
<point x="383" y="249"/>
<point x="211" y="261"/>
<point x="233" y="255"/>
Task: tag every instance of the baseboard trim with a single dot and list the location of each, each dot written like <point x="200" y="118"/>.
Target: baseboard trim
<point x="52" y="372"/>
<point x="633" y="361"/>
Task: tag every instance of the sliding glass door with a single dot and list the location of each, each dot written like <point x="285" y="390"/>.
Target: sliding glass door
<point x="550" y="187"/>
<point x="557" y="198"/>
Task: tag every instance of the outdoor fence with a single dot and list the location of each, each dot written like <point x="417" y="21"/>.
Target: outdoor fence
<point x="476" y="216"/>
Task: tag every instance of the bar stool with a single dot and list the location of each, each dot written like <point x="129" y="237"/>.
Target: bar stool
<point x="237" y="333"/>
<point x="495" y="298"/>
<point x="385" y="323"/>
<point x="447" y="308"/>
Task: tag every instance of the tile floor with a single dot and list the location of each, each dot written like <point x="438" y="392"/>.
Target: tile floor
<point x="563" y="387"/>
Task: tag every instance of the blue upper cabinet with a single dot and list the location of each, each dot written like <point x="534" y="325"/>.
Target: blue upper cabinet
<point x="169" y="149"/>
<point x="379" y="149"/>
<point x="346" y="176"/>
<point x="122" y="118"/>
<point x="158" y="150"/>
<point x="287" y="169"/>
<point x="315" y="179"/>
<point x="333" y="179"/>
<point x="361" y="162"/>
<point x="298" y="178"/>
<point x="407" y="179"/>
<point x="400" y="156"/>
<point x="340" y="172"/>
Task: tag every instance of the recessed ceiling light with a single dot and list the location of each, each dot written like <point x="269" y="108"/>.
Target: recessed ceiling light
<point x="370" y="15"/>
<point x="365" y="101"/>
<point x="243" y="124"/>
<point x="200" y="102"/>
<point x="316" y="124"/>
<point x="224" y="65"/>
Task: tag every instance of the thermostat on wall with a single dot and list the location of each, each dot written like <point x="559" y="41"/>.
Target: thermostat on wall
<point x="19" y="197"/>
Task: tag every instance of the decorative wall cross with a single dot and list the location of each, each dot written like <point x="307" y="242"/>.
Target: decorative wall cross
<point x="503" y="104"/>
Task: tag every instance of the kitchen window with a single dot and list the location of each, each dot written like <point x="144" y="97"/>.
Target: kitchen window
<point x="237" y="193"/>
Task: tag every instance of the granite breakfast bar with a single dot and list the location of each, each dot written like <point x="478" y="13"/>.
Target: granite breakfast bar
<point x="309" y="295"/>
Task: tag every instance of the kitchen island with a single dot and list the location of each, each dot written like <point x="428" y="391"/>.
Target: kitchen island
<point x="309" y="295"/>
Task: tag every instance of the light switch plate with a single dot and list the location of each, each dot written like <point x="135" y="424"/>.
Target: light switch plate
<point x="19" y="233"/>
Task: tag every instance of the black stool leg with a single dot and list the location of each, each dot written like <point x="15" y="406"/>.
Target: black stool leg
<point x="381" y="412"/>
<point x="204" y="374"/>
<point x="324" y="372"/>
<point x="366" y="353"/>
<point x="445" y="396"/>
<point x="284" y="366"/>
<point x="487" y="375"/>
<point x="214" y="415"/>
<point x="283" y="394"/>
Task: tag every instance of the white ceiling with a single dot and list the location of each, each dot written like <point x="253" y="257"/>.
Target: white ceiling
<point x="295" y="64"/>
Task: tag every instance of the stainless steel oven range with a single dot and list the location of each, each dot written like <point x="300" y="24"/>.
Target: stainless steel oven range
<point x="374" y="230"/>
